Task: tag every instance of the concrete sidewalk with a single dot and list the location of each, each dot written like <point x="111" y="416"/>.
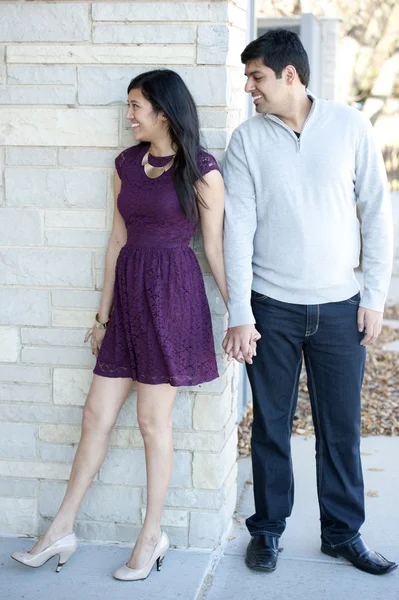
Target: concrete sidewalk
<point x="303" y="572"/>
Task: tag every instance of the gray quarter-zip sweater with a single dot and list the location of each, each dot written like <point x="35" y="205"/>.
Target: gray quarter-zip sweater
<point x="291" y="229"/>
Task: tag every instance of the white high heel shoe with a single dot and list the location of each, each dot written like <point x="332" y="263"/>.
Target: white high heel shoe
<point x="64" y="547"/>
<point x="125" y="573"/>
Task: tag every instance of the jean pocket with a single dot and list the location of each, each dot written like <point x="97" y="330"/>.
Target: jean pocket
<point x="258" y="296"/>
<point x="354" y="300"/>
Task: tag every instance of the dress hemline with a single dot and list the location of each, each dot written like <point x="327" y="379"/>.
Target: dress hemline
<point x="159" y="380"/>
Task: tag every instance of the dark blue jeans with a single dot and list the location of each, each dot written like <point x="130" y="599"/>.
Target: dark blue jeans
<point x="328" y="338"/>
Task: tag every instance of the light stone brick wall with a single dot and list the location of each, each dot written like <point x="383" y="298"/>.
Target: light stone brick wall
<point x="64" y="70"/>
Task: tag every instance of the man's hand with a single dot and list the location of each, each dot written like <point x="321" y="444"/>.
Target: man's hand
<point x="240" y="343"/>
<point x="369" y="321"/>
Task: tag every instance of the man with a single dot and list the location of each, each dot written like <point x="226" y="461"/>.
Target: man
<point x="293" y="175"/>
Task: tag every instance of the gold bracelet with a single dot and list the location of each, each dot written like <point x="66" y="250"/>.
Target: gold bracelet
<point x="100" y="325"/>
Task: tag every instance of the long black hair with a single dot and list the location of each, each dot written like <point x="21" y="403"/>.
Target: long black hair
<point x="168" y="93"/>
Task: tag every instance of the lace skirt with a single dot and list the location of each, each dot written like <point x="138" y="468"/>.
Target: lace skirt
<point x="160" y="330"/>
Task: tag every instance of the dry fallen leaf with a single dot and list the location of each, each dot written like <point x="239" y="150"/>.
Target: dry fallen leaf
<point x="249" y="482"/>
<point x="232" y="537"/>
<point x="375" y="469"/>
<point x="373" y="493"/>
<point x="392" y="312"/>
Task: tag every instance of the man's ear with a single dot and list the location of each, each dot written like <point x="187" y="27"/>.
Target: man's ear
<point x="289" y="74"/>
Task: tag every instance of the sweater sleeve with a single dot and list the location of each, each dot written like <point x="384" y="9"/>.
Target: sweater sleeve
<point x="239" y="231"/>
<point x="371" y="187"/>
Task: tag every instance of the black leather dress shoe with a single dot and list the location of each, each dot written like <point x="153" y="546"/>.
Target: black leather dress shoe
<point x="361" y="557"/>
<point x="262" y="553"/>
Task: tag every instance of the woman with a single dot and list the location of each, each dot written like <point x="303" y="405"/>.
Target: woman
<point x="153" y="325"/>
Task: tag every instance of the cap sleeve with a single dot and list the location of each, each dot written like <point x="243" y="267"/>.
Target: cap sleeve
<point x="207" y="163"/>
<point x="119" y="162"/>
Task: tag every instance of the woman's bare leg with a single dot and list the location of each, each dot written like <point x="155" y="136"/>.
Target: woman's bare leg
<point x="154" y="413"/>
<point x="101" y="410"/>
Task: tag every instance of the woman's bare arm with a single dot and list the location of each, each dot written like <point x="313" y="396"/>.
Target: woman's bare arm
<point x="116" y="242"/>
<point x="212" y="232"/>
<point x="212" y="192"/>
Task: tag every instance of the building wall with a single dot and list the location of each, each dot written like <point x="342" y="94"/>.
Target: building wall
<point x="329" y="28"/>
<point x="64" y="70"/>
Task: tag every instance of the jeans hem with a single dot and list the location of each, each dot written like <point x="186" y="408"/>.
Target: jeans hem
<point x="255" y="533"/>
<point x="354" y="537"/>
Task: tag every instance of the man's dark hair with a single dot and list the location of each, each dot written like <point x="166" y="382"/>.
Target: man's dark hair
<point x="279" y="48"/>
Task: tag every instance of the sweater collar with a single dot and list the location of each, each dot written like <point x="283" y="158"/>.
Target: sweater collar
<point x="310" y="95"/>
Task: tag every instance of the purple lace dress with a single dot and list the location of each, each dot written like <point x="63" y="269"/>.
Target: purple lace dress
<point x="160" y="330"/>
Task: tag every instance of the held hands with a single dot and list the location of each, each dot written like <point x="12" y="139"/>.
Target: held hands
<point x="370" y="322"/>
<point x="240" y="343"/>
<point x="97" y="336"/>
